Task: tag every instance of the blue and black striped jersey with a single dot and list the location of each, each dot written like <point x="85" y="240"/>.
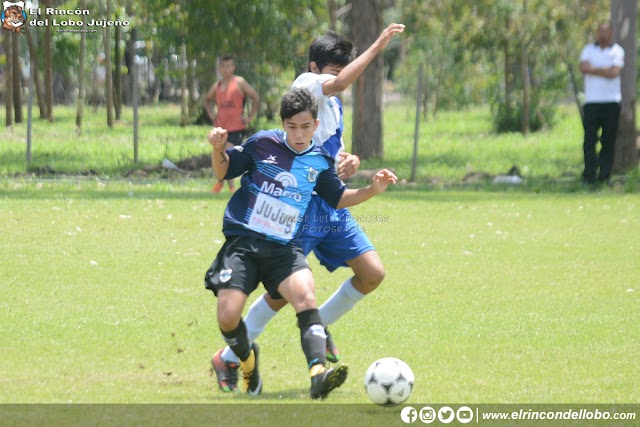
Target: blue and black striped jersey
<point x="276" y="186"/>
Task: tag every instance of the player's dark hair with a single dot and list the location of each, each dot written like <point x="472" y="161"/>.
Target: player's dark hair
<point x="331" y="49"/>
<point x="226" y="58"/>
<point x="296" y="101"/>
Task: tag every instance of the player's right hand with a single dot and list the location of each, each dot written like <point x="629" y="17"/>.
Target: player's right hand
<point x="217" y="137"/>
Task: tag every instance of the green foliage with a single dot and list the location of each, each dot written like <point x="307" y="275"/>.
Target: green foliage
<point x="465" y="45"/>
<point x="510" y="119"/>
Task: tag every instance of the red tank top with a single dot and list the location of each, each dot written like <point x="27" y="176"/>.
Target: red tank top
<point x="230" y="103"/>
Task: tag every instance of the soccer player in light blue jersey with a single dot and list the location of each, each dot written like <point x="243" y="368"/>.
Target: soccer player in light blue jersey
<point x="280" y="170"/>
<point x="332" y="234"/>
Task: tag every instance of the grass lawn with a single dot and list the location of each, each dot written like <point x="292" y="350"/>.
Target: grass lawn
<point x="493" y="294"/>
<point x="489" y="297"/>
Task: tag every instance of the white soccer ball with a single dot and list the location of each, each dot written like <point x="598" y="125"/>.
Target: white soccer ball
<point x="388" y="381"/>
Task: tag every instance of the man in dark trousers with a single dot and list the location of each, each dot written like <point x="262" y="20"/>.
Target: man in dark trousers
<point x="601" y="63"/>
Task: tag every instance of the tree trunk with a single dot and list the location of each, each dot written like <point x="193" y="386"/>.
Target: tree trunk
<point x="36" y="76"/>
<point x="48" y="68"/>
<point x="508" y="80"/>
<point x="191" y="84"/>
<point x="108" y="78"/>
<point x="129" y="58"/>
<point x="525" y="73"/>
<point x="331" y="5"/>
<point x="624" y="17"/>
<point x="17" y="78"/>
<point x="366" y="25"/>
<point x="184" y="97"/>
<point x="117" y="84"/>
<point x="81" y="97"/>
<point x="8" y="81"/>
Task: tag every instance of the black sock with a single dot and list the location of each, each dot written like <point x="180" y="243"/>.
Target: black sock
<point x="238" y="341"/>
<point x="313" y="337"/>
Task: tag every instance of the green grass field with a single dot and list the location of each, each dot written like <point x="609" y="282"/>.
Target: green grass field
<point x="490" y="297"/>
<point x="493" y="294"/>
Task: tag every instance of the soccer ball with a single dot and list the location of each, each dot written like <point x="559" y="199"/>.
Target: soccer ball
<point x="388" y="381"/>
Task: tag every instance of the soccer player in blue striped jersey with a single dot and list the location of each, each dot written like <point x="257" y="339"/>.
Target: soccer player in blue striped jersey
<point x="332" y="68"/>
<point x="280" y="170"/>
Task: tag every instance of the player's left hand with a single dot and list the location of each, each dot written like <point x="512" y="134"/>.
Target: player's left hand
<point x="382" y="179"/>
<point x="348" y="166"/>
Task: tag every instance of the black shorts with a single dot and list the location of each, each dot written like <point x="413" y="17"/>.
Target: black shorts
<point x="236" y="137"/>
<point x="244" y="261"/>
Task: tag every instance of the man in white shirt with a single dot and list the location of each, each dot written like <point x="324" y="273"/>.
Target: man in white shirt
<point x="601" y="63"/>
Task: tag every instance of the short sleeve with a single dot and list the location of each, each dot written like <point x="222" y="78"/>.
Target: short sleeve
<point x="312" y="82"/>
<point x="241" y="158"/>
<point x="584" y="56"/>
<point x="330" y="187"/>
<point x="618" y="57"/>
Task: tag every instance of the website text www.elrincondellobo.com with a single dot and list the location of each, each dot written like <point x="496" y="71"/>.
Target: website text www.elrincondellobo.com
<point x="478" y="414"/>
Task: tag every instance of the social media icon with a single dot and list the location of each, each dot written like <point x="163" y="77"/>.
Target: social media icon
<point x="427" y="415"/>
<point x="408" y="414"/>
<point x="446" y="414"/>
<point x="464" y="414"/>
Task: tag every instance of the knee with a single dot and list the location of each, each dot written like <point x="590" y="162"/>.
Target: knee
<point x="368" y="280"/>
<point x="304" y="301"/>
<point x="229" y="317"/>
<point x="275" y="304"/>
<point x="227" y="323"/>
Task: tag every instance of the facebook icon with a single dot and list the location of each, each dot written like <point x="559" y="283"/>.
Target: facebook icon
<point x="408" y="414"/>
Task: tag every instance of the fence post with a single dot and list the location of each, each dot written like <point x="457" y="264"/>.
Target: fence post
<point x="416" y="135"/>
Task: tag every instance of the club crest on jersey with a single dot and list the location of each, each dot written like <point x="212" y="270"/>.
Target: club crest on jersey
<point x="225" y="275"/>
<point x="313" y="174"/>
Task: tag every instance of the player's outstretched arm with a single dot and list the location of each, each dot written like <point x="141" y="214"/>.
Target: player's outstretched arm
<point x="217" y="137"/>
<point x="352" y="71"/>
<point x="379" y="184"/>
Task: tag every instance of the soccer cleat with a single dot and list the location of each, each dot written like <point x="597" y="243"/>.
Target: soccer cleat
<point x="250" y="373"/>
<point x="329" y="379"/>
<point x="333" y="354"/>
<point x="226" y="372"/>
<point x="217" y="187"/>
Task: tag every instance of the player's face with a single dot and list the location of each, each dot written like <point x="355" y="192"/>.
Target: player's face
<point x="332" y="69"/>
<point x="226" y="68"/>
<point x="300" y="129"/>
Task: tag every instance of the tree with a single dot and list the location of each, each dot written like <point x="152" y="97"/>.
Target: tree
<point x="81" y="97"/>
<point x="48" y="67"/>
<point x="624" y="17"/>
<point x="17" y="78"/>
<point x="366" y="25"/>
<point x="108" y="81"/>
<point x="8" y="81"/>
<point x="33" y="55"/>
<point x="117" y="83"/>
